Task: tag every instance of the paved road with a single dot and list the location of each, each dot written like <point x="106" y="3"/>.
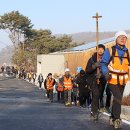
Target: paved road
<point x="24" y="107"/>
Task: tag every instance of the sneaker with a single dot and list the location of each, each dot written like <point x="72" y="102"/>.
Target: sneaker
<point x="117" y="124"/>
<point x="72" y="103"/>
<point x="89" y="106"/>
<point x="67" y="104"/>
<point x="91" y="114"/>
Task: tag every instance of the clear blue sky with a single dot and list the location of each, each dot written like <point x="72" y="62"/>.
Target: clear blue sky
<point x="70" y="16"/>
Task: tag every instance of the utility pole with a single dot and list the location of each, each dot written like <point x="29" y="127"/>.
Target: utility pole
<point x="97" y="38"/>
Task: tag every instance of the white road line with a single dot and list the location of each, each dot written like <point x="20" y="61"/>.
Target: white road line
<point x="125" y="121"/>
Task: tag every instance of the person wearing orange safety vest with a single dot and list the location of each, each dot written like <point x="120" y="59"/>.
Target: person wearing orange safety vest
<point x="60" y="91"/>
<point x="66" y="81"/>
<point x="49" y="86"/>
<point x="114" y="65"/>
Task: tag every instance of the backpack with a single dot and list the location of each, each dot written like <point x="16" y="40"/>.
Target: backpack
<point x="113" y="52"/>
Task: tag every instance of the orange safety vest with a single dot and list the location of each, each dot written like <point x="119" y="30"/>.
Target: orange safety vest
<point x="49" y="84"/>
<point x="60" y="88"/>
<point x="118" y="70"/>
<point x="67" y="83"/>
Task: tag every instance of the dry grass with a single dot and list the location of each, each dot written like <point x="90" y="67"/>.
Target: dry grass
<point x="126" y="101"/>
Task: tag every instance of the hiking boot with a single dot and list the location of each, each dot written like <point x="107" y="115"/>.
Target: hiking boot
<point x="107" y="109"/>
<point x="102" y="109"/>
<point x="117" y="124"/>
<point x="111" y="122"/>
<point x="94" y="116"/>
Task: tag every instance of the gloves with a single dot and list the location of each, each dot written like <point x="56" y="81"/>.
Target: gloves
<point x="108" y="76"/>
<point x="98" y="76"/>
<point x="96" y="65"/>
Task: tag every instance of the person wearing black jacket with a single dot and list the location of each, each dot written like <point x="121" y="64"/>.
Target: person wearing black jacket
<point x="40" y="80"/>
<point x="97" y="89"/>
<point x="81" y="80"/>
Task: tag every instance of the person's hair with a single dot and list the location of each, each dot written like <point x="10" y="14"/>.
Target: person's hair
<point x="49" y="74"/>
<point x="101" y="46"/>
<point x="82" y="72"/>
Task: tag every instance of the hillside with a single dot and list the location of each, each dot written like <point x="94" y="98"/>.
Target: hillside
<point x="87" y="37"/>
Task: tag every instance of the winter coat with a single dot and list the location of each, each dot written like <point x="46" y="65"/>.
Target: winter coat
<point x="82" y="83"/>
<point x="40" y="78"/>
<point x="91" y="73"/>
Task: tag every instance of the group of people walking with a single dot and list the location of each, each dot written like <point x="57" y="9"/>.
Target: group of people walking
<point x="106" y="71"/>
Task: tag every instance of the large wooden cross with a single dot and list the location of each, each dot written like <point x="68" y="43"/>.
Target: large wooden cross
<point x="97" y="34"/>
<point x="97" y="39"/>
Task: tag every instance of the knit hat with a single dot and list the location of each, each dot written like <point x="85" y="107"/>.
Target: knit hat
<point x="67" y="70"/>
<point x="78" y="69"/>
<point x="120" y="33"/>
<point x="101" y="46"/>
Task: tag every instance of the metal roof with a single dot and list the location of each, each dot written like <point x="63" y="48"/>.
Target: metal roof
<point x="89" y="45"/>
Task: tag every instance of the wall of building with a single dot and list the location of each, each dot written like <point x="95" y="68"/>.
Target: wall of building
<point x="50" y="64"/>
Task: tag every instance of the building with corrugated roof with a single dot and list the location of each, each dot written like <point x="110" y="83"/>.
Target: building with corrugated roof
<point x="70" y="58"/>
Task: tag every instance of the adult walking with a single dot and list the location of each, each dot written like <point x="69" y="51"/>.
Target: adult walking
<point x="40" y="80"/>
<point x="66" y="81"/>
<point x="49" y="86"/>
<point x="114" y="64"/>
<point x="97" y="89"/>
<point x="84" y="90"/>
